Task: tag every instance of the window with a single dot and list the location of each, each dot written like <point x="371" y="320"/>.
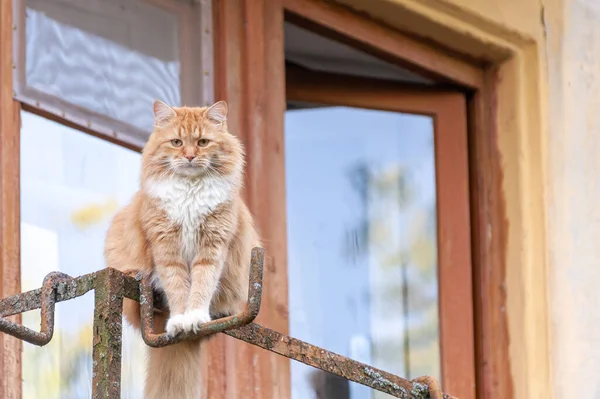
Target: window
<point x="71" y="186"/>
<point x="283" y="64"/>
<point x="385" y="73"/>
<point x="101" y="64"/>
<point x="362" y="240"/>
<point x="90" y="66"/>
<point x="378" y="216"/>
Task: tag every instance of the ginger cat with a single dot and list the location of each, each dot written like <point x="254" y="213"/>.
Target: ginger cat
<point x="189" y="229"/>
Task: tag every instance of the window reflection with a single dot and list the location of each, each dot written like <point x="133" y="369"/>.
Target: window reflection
<point x="71" y="185"/>
<point x="362" y="243"/>
<point x="108" y="58"/>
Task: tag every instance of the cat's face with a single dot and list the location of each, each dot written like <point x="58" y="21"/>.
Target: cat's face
<point x="192" y="142"/>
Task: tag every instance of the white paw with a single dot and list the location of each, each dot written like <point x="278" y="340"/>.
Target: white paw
<point x="175" y="324"/>
<point x="193" y="319"/>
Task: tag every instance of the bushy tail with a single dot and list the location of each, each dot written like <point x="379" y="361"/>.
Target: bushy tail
<point x="174" y="372"/>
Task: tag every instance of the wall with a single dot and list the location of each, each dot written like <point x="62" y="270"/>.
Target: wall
<point x="573" y="193"/>
<point x="549" y="112"/>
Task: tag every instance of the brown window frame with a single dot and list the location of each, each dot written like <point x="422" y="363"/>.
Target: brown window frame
<point x="10" y="217"/>
<point x="250" y="75"/>
<point x="448" y="109"/>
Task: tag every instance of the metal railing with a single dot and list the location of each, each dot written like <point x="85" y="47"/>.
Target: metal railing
<point x="112" y="286"/>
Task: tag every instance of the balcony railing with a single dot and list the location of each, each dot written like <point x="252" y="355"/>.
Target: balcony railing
<point x="111" y="286"/>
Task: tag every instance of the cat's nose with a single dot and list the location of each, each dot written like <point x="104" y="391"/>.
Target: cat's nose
<point x="190" y="157"/>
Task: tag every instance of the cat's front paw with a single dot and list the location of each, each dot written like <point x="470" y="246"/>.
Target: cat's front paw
<point x="194" y="319"/>
<point x="175" y="324"/>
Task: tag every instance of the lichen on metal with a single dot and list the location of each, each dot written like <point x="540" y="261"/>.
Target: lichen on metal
<point x="108" y="330"/>
<point x="333" y="363"/>
<point x="111" y="286"/>
<point x="47" y="301"/>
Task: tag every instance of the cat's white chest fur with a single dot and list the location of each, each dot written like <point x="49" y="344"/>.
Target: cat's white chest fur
<point x="187" y="202"/>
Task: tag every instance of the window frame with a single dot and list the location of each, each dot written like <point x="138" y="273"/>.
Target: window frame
<point x="10" y="276"/>
<point x="250" y="75"/>
<point x="449" y="112"/>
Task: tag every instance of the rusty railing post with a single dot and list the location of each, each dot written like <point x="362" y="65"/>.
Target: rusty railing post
<point x="108" y="329"/>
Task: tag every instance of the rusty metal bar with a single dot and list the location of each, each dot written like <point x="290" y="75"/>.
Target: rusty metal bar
<point x="47" y="304"/>
<point x="108" y="316"/>
<point x="325" y="360"/>
<point x="57" y="287"/>
<point x="226" y="323"/>
<point x="111" y="286"/>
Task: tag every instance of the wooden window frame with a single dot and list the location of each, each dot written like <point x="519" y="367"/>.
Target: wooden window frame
<point x="10" y="217"/>
<point x="250" y="75"/>
<point x="449" y="112"/>
<point x="250" y="69"/>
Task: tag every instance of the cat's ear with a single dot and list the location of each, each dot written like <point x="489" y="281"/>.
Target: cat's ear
<point x="217" y="113"/>
<point x="163" y="114"/>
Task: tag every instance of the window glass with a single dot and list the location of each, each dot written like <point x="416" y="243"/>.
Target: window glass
<point x="106" y="58"/>
<point x="71" y="186"/>
<point x="361" y="212"/>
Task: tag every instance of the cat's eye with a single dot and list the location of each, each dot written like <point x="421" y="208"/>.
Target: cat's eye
<point x="203" y="142"/>
<point x="176" y="143"/>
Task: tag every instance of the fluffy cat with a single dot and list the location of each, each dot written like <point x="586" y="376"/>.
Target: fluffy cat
<point x="189" y="229"/>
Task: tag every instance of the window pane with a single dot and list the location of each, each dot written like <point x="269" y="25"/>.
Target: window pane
<point x="71" y="186"/>
<point x="362" y="244"/>
<point x="109" y="57"/>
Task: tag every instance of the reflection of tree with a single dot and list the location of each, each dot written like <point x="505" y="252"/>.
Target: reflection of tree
<point x="398" y="234"/>
<point x="362" y="178"/>
<point x="358" y="236"/>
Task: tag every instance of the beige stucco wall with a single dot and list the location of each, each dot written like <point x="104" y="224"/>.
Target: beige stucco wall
<point x="549" y="132"/>
<point x="573" y="202"/>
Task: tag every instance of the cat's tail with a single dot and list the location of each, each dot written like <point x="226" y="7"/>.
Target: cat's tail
<point x="174" y="371"/>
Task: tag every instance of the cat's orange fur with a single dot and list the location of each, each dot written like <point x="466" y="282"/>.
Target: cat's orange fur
<point x="189" y="229"/>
